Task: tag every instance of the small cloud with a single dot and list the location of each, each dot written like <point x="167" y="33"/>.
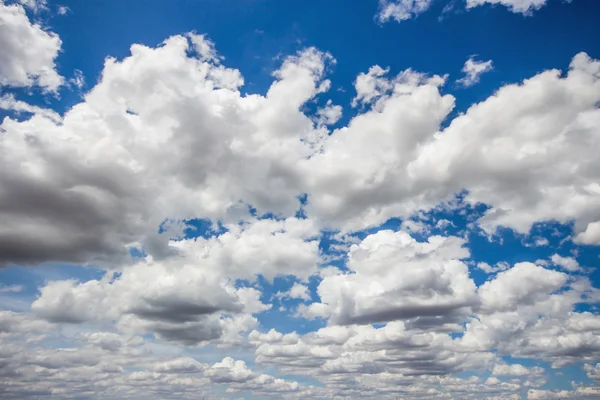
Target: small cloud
<point x="568" y="263"/>
<point x="34" y="5"/>
<point x="297" y="291"/>
<point x="473" y="70"/>
<point x="329" y="115"/>
<point x="78" y="79"/>
<point x="11" y="288"/>
<point x="63" y="10"/>
<point x="401" y="10"/>
<point x="492" y="269"/>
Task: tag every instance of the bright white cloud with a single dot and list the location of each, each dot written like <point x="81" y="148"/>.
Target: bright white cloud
<point x="473" y="70"/>
<point x="113" y="190"/>
<point x="515" y="150"/>
<point x="392" y="276"/>
<point x="28" y="51"/>
<point x="299" y="291"/>
<point x="166" y="136"/>
<point x="568" y="263"/>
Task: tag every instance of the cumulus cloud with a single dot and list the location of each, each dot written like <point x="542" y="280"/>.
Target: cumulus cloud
<point x="166" y="137"/>
<point x="299" y="291"/>
<point x="392" y="276"/>
<point x="473" y="70"/>
<point x="189" y="299"/>
<point x="112" y="191"/>
<point x="28" y="50"/>
<point x="568" y="263"/>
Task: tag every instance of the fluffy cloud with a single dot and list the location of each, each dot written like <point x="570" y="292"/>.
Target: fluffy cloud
<point x="299" y="291"/>
<point x="515" y="150"/>
<point x="516" y="370"/>
<point x="392" y="276"/>
<point x="188" y="296"/>
<point x="166" y="136"/>
<point x="28" y="50"/>
<point x="401" y="10"/>
<point x="473" y="70"/>
<point x="525" y="283"/>
<point x="113" y="189"/>
<point x="568" y="263"/>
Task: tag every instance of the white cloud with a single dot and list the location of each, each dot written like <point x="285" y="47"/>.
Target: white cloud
<point x="392" y="277"/>
<point x="28" y="51"/>
<point x="473" y="70"/>
<point x="517" y="6"/>
<point x="229" y="371"/>
<point x="63" y="10"/>
<point x="299" y="291"/>
<point x="591" y="234"/>
<point x="113" y="190"/>
<point x="10" y="288"/>
<point x="34" y="5"/>
<point x="513" y="151"/>
<point x="330" y="114"/>
<point x="401" y="10"/>
<point x="568" y="263"/>
<point x="137" y="157"/>
<point x="166" y="136"/>
<point x="503" y="369"/>
<point x="578" y="393"/>
<point x="9" y="102"/>
<point x="525" y="283"/>
<point x="78" y="79"/>
<point x="489" y="269"/>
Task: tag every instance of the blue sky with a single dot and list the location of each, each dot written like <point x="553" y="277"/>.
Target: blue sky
<point x="282" y="199"/>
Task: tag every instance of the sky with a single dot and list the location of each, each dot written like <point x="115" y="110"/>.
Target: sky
<point x="262" y="199"/>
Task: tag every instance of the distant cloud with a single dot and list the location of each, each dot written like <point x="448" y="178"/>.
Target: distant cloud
<point x="473" y="70"/>
<point x="401" y="10"/>
<point x="10" y="288"/>
<point x="515" y="6"/>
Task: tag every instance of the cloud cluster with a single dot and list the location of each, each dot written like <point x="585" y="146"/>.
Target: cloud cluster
<point x="167" y="137"/>
<point x="107" y="364"/>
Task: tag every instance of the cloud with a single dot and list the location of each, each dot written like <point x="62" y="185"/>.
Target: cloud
<point x="525" y="7"/>
<point x="10" y="288"/>
<point x="166" y="136"/>
<point x="28" y="50"/>
<point x="392" y="276"/>
<point x="524" y="283"/>
<point x="473" y="70"/>
<point x="110" y="192"/>
<point x="299" y="291"/>
<point x="568" y="263"/>
<point x="578" y="393"/>
<point x="508" y="161"/>
<point x="516" y="370"/>
<point x="401" y="10"/>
